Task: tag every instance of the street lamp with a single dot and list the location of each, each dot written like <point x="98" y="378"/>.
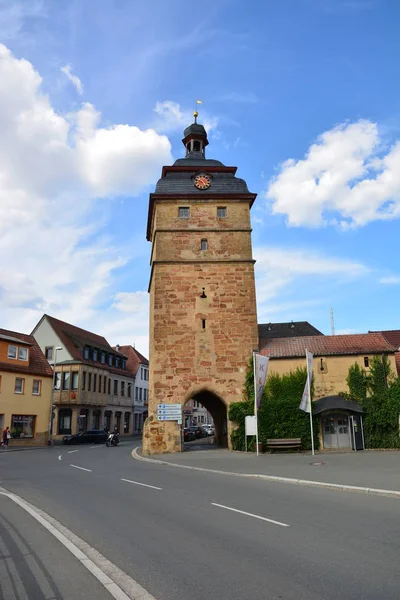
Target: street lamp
<point x="50" y="441"/>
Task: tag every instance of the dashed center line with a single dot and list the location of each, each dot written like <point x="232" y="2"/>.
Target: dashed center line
<point x="143" y="484"/>
<point x="250" y="515"/>
<point x="81" y="468"/>
<point x="72" y="451"/>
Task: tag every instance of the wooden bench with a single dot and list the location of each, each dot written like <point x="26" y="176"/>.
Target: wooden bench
<point x="284" y="444"/>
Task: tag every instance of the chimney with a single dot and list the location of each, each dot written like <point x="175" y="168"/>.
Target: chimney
<point x="117" y="347"/>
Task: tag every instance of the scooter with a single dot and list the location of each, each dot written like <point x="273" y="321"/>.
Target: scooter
<point x="112" y="440"/>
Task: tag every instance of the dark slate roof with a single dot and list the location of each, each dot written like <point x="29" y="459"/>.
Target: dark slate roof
<point x="283" y="330"/>
<point x="326" y="345"/>
<point x="195" y="129"/>
<point x="37" y="364"/>
<point x="181" y="182"/>
<point x="335" y="403"/>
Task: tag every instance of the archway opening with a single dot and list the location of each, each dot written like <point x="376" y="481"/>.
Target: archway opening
<point x="207" y="411"/>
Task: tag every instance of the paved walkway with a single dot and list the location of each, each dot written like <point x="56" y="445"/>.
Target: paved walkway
<point x="371" y="469"/>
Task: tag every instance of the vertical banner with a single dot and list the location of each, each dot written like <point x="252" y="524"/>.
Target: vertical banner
<point x="260" y="364"/>
<point x="305" y="403"/>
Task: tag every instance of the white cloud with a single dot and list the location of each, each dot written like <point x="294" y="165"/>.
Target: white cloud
<point x="54" y="168"/>
<point x="344" y="178"/>
<point x="390" y="280"/>
<point x="74" y="79"/>
<point x="170" y="117"/>
<point x="296" y="277"/>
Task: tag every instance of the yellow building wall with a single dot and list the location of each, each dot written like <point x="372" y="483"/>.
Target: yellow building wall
<point x="26" y="404"/>
<point x="332" y="379"/>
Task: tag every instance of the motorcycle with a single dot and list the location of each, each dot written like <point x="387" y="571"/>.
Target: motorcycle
<point x="112" y="440"/>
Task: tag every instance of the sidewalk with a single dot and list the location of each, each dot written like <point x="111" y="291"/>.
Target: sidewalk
<point x="58" y="443"/>
<point x="368" y="469"/>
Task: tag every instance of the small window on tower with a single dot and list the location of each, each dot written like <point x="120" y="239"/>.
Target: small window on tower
<point x="196" y="146"/>
<point x="184" y="212"/>
<point x="204" y="244"/>
<point x="366" y="361"/>
<point x="221" y="212"/>
<point x="203" y="323"/>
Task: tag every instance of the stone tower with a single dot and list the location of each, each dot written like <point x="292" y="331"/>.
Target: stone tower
<point x="203" y="319"/>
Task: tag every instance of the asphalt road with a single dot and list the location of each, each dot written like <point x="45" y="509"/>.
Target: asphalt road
<point x="177" y="532"/>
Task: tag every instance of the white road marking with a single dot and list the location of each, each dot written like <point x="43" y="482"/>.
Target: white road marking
<point x="143" y="484"/>
<point x="72" y="451"/>
<point x="115" y="581"/>
<point x="81" y="468"/>
<point x="60" y="457"/>
<point x="251" y="515"/>
<point x="98" y="446"/>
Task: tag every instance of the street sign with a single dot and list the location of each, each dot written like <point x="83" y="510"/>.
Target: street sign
<point x="169" y="412"/>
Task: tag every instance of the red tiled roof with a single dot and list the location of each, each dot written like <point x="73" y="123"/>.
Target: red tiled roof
<point x="392" y="336"/>
<point x="326" y="345"/>
<point x="38" y="364"/>
<point x="74" y="339"/>
<point x="135" y="359"/>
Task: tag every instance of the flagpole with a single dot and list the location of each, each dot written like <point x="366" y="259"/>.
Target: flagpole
<point x="255" y="399"/>
<point x="309" y="400"/>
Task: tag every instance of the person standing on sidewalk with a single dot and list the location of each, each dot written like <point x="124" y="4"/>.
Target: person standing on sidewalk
<point x="6" y="437"/>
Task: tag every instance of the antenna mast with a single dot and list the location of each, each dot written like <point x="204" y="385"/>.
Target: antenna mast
<point x="332" y="322"/>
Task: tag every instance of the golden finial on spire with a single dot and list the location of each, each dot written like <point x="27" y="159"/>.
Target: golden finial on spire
<point x="196" y="114"/>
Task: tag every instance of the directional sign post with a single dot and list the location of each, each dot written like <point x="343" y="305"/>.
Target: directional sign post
<point x="169" y="412"/>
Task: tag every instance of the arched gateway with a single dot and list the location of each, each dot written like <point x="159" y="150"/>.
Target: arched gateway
<point x="203" y="319"/>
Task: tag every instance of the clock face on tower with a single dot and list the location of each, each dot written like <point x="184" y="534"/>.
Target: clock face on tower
<point x="202" y="181"/>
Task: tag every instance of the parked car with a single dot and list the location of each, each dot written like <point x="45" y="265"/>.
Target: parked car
<point x="198" y="431"/>
<point x="92" y="436"/>
<point x="188" y="435"/>
<point x="209" y="429"/>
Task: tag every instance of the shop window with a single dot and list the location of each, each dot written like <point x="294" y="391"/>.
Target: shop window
<point x="37" y="387"/>
<point x="127" y="419"/>
<point x="23" y="426"/>
<point x="64" y="421"/>
<point x="74" y="380"/>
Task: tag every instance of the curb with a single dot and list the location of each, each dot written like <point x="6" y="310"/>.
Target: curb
<point x="305" y="482"/>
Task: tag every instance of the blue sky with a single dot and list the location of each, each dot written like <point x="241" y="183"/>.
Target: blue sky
<point x="96" y="96"/>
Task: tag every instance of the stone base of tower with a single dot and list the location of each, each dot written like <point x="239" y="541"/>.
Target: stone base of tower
<point x="161" y="437"/>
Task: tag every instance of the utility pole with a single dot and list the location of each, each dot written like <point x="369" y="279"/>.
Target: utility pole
<point x="332" y="322"/>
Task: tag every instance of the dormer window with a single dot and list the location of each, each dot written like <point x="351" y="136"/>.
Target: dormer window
<point x="12" y="352"/>
<point x="110" y="360"/>
<point x="103" y="358"/>
<point x="94" y="355"/>
<point x="86" y="353"/>
<point x="117" y="363"/>
<point x="23" y="354"/>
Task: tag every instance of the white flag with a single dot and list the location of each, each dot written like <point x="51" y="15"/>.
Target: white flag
<point x="305" y="403"/>
<point x="261" y="369"/>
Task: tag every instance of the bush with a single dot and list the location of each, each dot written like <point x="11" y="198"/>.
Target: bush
<point x="279" y="415"/>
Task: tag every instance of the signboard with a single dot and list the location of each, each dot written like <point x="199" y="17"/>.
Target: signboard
<point x="169" y="412"/>
<point x="250" y="425"/>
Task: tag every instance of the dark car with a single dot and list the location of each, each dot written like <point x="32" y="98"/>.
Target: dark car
<point x="92" y="436"/>
<point x="198" y="431"/>
<point x="188" y="435"/>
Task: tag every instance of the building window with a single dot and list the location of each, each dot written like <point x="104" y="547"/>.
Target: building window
<point x="109" y="386"/>
<point x="103" y="358"/>
<point x="64" y="421"/>
<point x="129" y="390"/>
<point x="183" y="212"/>
<point x="23" y="426"/>
<point x="86" y="353"/>
<point x="94" y="381"/>
<point x="23" y="354"/>
<point x="110" y="360"/>
<point x="19" y="385"/>
<point x="105" y="385"/>
<point x="37" y="387"/>
<point x="221" y="212"/>
<point x="65" y="381"/>
<point x="115" y="387"/>
<point x="122" y="388"/>
<point x="57" y="381"/>
<point x="127" y="418"/>
<point x="140" y="394"/>
<point x="12" y="352"/>
<point x="124" y="365"/>
<point x="94" y="355"/>
<point x="84" y="380"/>
<point x="366" y="361"/>
<point x="100" y="383"/>
<point x="48" y="352"/>
<point x="203" y="245"/>
<point x="74" y="380"/>
<point x="117" y="363"/>
<point x="89" y="383"/>
<point x="0" y="383"/>
<point x="136" y="393"/>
